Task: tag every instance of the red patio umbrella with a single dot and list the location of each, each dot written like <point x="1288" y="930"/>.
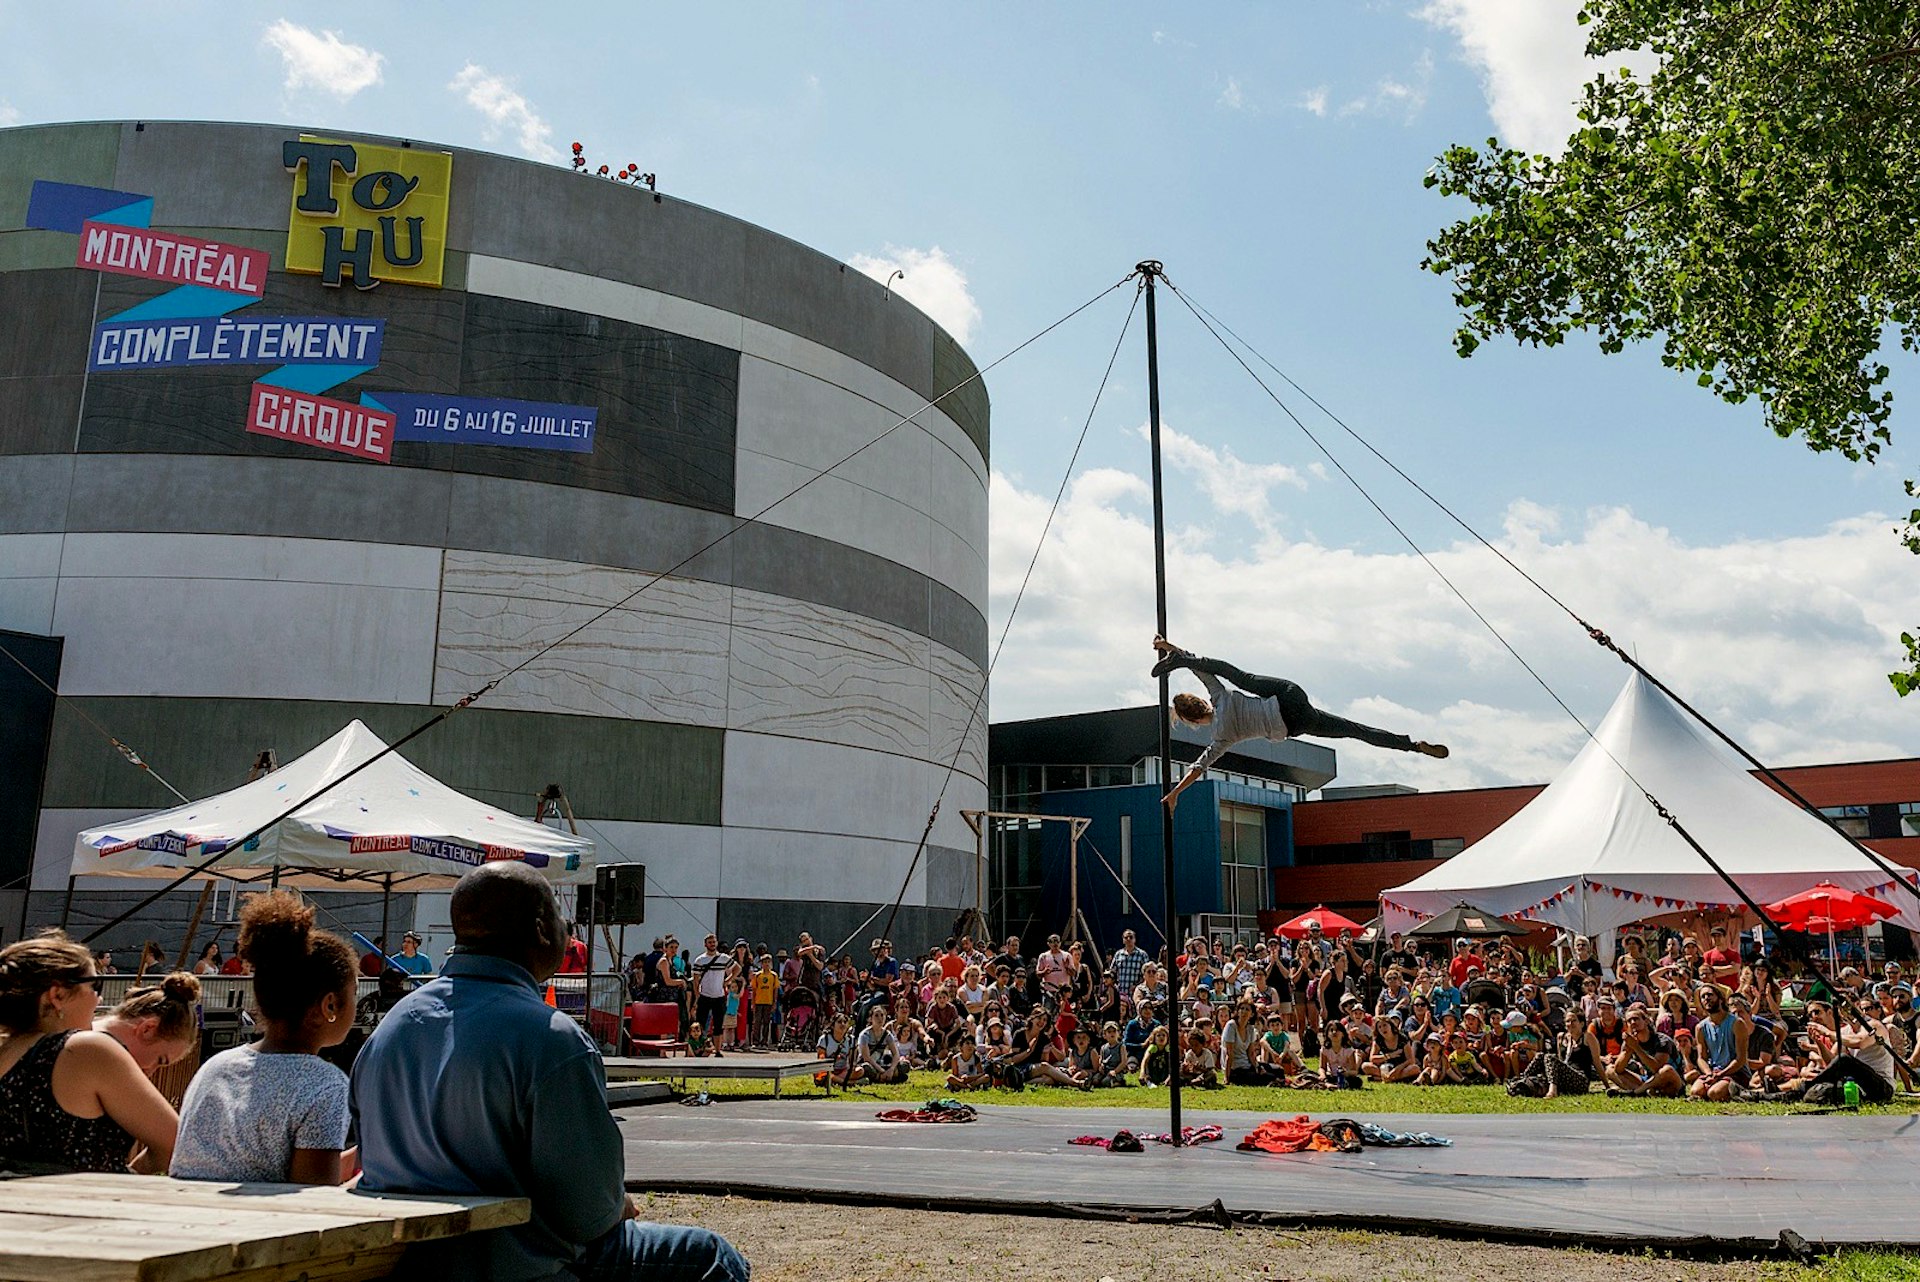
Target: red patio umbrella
<point x="1331" y="924"/>
<point x="1828" y="907"/>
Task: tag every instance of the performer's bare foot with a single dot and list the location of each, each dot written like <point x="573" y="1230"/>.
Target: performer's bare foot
<point x="1431" y="749"/>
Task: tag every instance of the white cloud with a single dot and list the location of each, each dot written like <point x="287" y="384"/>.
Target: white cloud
<point x="506" y="109"/>
<point x="1532" y="60"/>
<point x="1232" y="486"/>
<point x="1783" y="641"/>
<point x="933" y="283"/>
<point x="1314" y="101"/>
<point x="1232" y="97"/>
<point x="1393" y="96"/>
<point x="322" y="60"/>
<point x="9" y="114"/>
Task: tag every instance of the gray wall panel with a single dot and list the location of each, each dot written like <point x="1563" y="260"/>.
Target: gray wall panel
<point x="957" y="624"/>
<point x="950" y="875"/>
<point x="83" y="154"/>
<point x="208" y="175"/>
<point x="33" y="493"/>
<point x="612" y="768"/>
<point x="778" y="923"/>
<point x="493" y="515"/>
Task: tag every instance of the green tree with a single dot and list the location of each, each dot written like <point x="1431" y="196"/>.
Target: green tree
<point x="1753" y="204"/>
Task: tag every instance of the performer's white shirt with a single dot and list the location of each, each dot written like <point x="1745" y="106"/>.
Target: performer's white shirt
<point x="1237" y="717"/>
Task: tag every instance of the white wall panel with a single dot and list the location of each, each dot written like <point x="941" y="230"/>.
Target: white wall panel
<point x="793" y="416"/>
<point x="235" y="556"/>
<point x="956" y="707"/>
<point x="811" y="689"/>
<point x="833" y="509"/>
<point x="776" y="864"/>
<point x="958" y="565"/>
<point x="800" y="785"/>
<point x="246" y="638"/>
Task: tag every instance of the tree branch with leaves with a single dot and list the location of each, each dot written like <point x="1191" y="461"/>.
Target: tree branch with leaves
<point x="1752" y="205"/>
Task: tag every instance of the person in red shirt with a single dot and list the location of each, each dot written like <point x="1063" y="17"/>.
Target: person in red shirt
<point x="952" y="965"/>
<point x="1464" y="957"/>
<point x="1722" y="963"/>
<point x="575" y="961"/>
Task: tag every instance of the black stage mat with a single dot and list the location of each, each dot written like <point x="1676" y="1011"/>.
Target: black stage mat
<point x="1614" y="1179"/>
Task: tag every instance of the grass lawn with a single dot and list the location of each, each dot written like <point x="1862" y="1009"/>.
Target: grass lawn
<point x="1373" y="1098"/>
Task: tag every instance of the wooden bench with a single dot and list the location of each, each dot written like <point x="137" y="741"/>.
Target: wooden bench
<point x="141" y="1228"/>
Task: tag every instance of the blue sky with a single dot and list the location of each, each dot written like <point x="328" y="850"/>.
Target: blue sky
<point x="1271" y="156"/>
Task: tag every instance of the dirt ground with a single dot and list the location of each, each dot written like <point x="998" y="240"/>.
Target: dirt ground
<point x="801" y="1242"/>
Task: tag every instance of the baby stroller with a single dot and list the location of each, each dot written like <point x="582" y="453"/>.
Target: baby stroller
<point x="799" y="1008"/>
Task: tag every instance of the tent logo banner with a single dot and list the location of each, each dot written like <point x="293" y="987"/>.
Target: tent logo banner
<point x="451" y="851"/>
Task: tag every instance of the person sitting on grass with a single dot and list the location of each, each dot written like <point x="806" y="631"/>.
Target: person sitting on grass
<point x="1031" y="1045"/>
<point x="876" y="1056"/>
<point x="1391" y="1058"/>
<point x="1083" y="1057"/>
<point x="1156" y="1060"/>
<point x="1113" y="1057"/>
<point x="1861" y="1057"/>
<point x="1137" y="1033"/>
<point x="966" y="1070"/>
<point x="1524" y="1038"/>
<point x="1720" y="1047"/>
<point x="1238" y="1055"/>
<point x="1431" y="1055"/>
<point x="274" y="1112"/>
<point x="910" y="1037"/>
<point x="1198" y="1064"/>
<point x="1645" y="1064"/>
<point x="836" y="1047"/>
<point x="1278" y="1052"/>
<point x="71" y="1099"/>
<point x="1339" y="1062"/>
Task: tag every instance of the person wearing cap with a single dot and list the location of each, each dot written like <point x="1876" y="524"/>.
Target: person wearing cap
<point x="1644" y="1065"/>
<point x="1055" y="968"/>
<point x="1720" y="962"/>
<point x="1609" y="1032"/>
<point x="884" y="969"/>
<point x="411" y="959"/>
<point x="1464" y="959"/>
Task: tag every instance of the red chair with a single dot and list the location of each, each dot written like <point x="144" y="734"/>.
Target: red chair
<point x="653" y="1028"/>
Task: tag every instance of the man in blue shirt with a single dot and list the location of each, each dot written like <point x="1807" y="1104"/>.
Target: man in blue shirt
<point x="411" y="959"/>
<point x="473" y="1085"/>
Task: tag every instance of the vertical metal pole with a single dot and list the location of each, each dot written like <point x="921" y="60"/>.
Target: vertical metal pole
<point x="1149" y="274"/>
<point x="386" y="902"/>
<point x="66" y="905"/>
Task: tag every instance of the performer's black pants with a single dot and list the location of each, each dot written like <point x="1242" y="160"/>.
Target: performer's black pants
<point x="1874" y="1089"/>
<point x="1301" y="716"/>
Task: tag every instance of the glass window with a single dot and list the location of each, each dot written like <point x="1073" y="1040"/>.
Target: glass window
<point x="1851" y="820"/>
<point x="1126" y="861"/>
<point x="1065" y="778"/>
<point x="1448" y="847"/>
<point x="1910" y="819"/>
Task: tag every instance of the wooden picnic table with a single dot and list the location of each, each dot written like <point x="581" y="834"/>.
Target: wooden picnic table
<point x="144" y="1228"/>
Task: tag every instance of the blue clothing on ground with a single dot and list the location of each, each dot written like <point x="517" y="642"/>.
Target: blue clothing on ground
<point x="474" y="1085"/>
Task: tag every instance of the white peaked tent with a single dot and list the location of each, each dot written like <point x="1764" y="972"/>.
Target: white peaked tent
<point x="1590" y="853"/>
<point x="392" y="824"/>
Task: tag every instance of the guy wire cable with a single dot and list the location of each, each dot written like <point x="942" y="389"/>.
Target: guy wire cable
<point x="1665" y="814"/>
<point x="1598" y="636"/>
<point x="986" y="677"/>
<point x="487" y="688"/>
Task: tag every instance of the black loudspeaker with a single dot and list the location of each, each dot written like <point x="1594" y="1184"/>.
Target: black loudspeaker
<point x="618" y="896"/>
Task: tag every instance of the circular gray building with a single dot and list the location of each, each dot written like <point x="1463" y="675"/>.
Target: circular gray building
<point x="298" y="428"/>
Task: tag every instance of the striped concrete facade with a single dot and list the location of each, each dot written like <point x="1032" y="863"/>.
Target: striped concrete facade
<point x="765" y="730"/>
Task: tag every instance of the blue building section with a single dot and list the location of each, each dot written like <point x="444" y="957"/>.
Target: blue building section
<point x="1125" y="835"/>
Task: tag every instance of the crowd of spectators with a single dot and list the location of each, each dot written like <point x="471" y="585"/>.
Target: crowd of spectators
<point x="1695" y="1017"/>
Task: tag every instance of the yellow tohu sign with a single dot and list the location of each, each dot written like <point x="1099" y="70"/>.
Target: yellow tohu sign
<point x="366" y="212"/>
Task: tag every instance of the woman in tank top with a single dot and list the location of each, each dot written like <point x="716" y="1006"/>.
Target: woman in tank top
<point x="70" y="1098"/>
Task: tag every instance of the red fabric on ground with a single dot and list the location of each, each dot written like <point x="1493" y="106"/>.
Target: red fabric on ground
<point x="1296" y="1136"/>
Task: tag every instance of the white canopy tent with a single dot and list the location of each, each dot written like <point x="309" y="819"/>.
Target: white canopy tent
<point x="1590" y="853"/>
<point x="390" y="825"/>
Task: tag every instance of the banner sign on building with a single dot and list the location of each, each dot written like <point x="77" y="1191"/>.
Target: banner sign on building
<point x="168" y="256"/>
<point x="469" y="420"/>
<point x="321" y="421"/>
<point x="162" y="343"/>
<point x="375" y="213"/>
